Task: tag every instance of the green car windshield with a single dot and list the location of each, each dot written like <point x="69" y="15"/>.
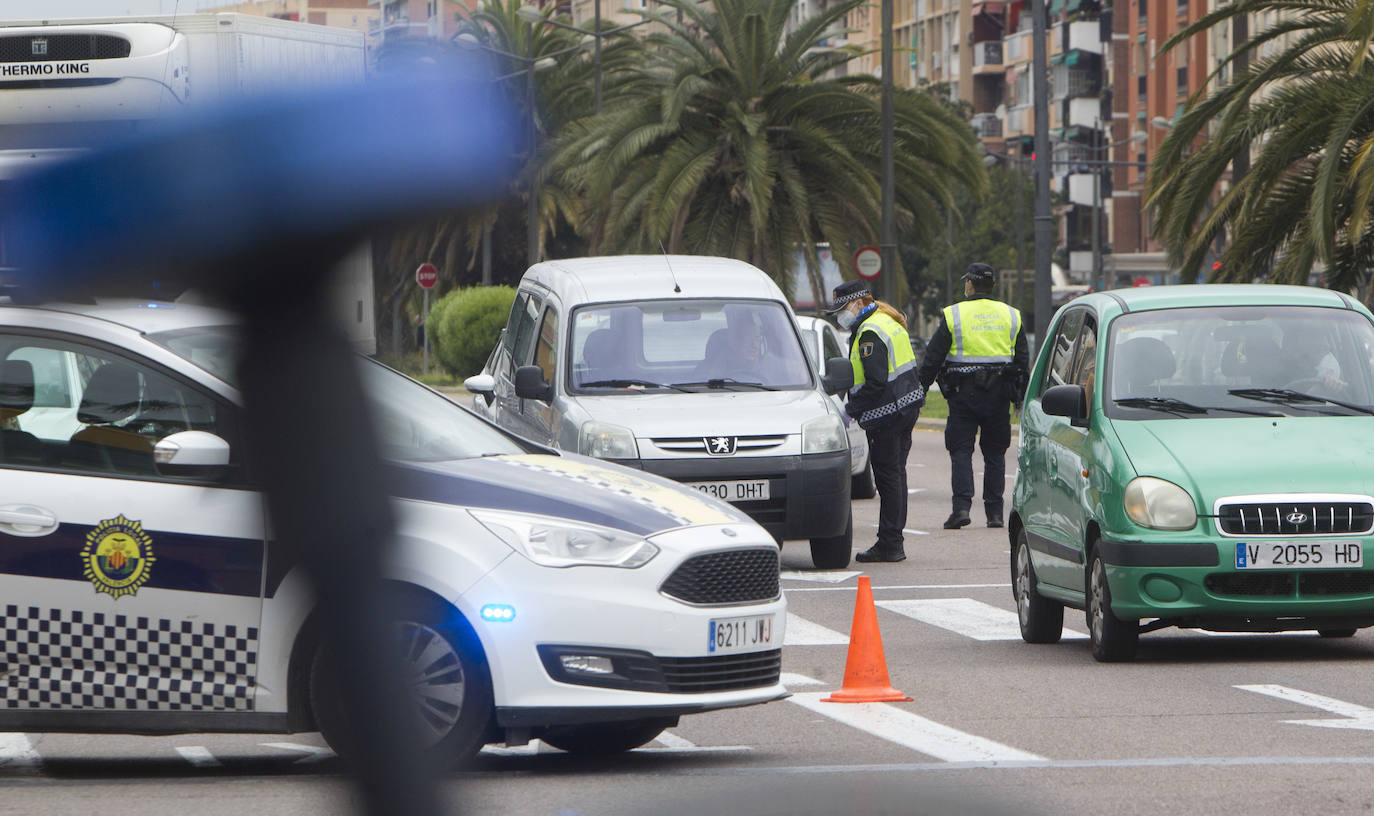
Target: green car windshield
<point x="1231" y="360"/>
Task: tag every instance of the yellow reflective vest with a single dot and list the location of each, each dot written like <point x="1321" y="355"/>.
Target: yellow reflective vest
<point x="982" y="332"/>
<point x="903" y="385"/>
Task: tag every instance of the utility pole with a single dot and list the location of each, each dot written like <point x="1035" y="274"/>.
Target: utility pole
<point x="887" y="241"/>
<point x="596" y="83"/>
<point x="532" y="213"/>
<point x="1044" y="221"/>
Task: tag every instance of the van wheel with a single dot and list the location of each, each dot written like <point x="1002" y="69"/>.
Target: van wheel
<point x="442" y="669"/>
<point x="1113" y="640"/>
<point x="834" y="552"/>
<point x="603" y="738"/>
<point x="862" y="486"/>
<point x="1042" y="620"/>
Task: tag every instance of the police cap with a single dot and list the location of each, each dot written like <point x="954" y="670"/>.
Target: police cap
<point x="980" y="273"/>
<point x="846" y="293"/>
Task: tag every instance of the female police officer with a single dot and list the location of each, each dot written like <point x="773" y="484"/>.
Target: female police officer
<point x="885" y="400"/>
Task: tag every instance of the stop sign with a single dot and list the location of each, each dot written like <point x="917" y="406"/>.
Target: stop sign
<point x="427" y="275"/>
<point x="868" y="262"/>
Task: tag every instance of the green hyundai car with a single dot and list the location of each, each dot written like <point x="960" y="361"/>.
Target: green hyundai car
<point x="1197" y="456"/>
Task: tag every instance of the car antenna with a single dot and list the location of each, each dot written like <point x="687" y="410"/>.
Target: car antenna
<point x="676" y="289"/>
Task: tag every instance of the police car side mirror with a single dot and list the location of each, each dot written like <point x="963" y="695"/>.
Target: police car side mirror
<point x="192" y="455"/>
<point x="1067" y="401"/>
<point x="483" y="384"/>
<point x="529" y="384"/>
<point x="839" y="375"/>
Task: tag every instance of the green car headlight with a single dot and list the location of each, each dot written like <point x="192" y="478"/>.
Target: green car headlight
<point x="1159" y="505"/>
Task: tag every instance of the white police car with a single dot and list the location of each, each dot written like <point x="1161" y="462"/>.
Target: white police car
<point x="546" y="596"/>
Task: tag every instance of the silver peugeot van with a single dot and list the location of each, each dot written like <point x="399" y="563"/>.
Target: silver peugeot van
<point x="688" y="367"/>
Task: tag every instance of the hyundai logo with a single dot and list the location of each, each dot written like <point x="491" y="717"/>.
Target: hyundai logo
<point x="1297" y="518"/>
<point x="719" y="445"/>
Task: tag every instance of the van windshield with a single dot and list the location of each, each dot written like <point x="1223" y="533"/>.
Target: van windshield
<point x="1223" y="361"/>
<point x="693" y="345"/>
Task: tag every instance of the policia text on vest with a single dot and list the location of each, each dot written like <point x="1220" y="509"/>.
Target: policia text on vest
<point x="979" y="356"/>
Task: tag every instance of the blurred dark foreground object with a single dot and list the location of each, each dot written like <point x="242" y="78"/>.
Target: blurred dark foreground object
<point x="253" y="205"/>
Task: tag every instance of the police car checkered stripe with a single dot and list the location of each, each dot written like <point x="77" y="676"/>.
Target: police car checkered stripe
<point x="66" y="659"/>
<point x="601" y="484"/>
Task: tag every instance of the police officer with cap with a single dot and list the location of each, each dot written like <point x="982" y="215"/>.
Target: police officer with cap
<point x="885" y="400"/>
<point x="980" y="358"/>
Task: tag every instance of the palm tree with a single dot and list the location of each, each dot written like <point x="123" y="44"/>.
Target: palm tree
<point x="1306" y="113"/>
<point x="730" y="140"/>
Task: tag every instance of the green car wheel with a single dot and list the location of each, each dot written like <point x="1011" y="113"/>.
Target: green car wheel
<point x="1113" y="640"/>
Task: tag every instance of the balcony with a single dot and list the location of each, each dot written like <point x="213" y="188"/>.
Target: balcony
<point x="1075" y="74"/>
<point x="987" y="56"/>
<point x="1083" y="35"/>
<point x="987" y="126"/>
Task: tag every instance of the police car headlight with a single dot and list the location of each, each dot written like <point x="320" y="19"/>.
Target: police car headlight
<point x="1159" y="505"/>
<point x="559" y="543"/>
<point x="823" y="435"/>
<point x="603" y="440"/>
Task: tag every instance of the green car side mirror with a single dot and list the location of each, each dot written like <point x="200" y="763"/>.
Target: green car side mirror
<point x="1067" y="401"/>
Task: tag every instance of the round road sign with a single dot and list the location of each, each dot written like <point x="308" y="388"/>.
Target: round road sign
<point x="427" y="275"/>
<point x="868" y="262"/>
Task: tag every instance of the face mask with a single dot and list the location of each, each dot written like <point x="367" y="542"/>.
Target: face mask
<point x="846" y="319"/>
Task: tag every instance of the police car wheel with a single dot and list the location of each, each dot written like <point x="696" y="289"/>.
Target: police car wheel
<point x="445" y="674"/>
<point x="834" y="552"/>
<point x="1336" y="633"/>
<point x="862" y="486"/>
<point x="603" y="738"/>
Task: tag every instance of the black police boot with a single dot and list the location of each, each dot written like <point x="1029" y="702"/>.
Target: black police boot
<point x="957" y="519"/>
<point x="878" y="554"/>
<point x="994" y="514"/>
<point x="995" y="521"/>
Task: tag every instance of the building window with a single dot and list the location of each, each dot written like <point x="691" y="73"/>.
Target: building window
<point x="1142" y="56"/>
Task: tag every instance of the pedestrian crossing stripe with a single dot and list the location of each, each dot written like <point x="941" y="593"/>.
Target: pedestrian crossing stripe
<point x="967" y="617"/>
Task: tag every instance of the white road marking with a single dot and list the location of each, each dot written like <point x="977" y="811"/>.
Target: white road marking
<point x="16" y="751"/>
<point x="313" y="753"/>
<point x="198" y="756"/>
<point x="802" y="632"/>
<point x="1357" y="716"/>
<point x="913" y="731"/>
<point x="672" y="743"/>
<point x="820" y="576"/>
<point x="911" y="490"/>
<point x="901" y="586"/>
<point x="670" y="740"/>
<point x="908" y="532"/>
<point x="965" y="616"/>
<point x="1249" y="634"/>
<point x="529" y="749"/>
<point x="789" y="680"/>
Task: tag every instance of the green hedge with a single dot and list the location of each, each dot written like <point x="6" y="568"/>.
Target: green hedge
<point x="464" y="325"/>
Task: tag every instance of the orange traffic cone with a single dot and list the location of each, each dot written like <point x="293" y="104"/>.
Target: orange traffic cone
<point x="865" y="668"/>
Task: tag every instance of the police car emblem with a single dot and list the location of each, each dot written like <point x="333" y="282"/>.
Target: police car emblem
<point x="719" y="445"/>
<point x="118" y="557"/>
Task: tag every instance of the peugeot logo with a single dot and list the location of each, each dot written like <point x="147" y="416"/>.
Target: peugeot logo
<point x="40" y="47"/>
<point x="1297" y="518"/>
<point x="719" y="445"/>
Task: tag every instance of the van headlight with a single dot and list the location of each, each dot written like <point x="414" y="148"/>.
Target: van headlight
<point x="824" y="434"/>
<point x="602" y="440"/>
<point x="552" y="542"/>
<point x="1159" y="505"/>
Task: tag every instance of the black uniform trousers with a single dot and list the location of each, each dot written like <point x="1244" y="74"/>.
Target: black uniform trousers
<point x="985" y="412"/>
<point x="888" y="448"/>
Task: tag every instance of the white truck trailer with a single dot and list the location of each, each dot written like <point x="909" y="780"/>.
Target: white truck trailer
<point x="68" y="84"/>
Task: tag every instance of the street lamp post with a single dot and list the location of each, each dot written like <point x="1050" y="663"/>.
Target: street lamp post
<point x="1099" y="282"/>
<point x="1044" y="220"/>
<point x="531" y="14"/>
<point x="887" y="243"/>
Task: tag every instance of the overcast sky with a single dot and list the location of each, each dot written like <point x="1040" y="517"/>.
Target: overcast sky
<point x="57" y="9"/>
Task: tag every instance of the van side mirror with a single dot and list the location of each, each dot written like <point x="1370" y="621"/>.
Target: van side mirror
<point x="483" y="385"/>
<point x="529" y="384"/>
<point x="839" y="375"/>
<point x="1067" y="401"/>
<point x="192" y="455"/>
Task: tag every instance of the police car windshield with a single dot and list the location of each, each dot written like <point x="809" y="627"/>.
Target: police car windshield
<point x="1242" y="359"/>
<point x="692" y="344"/>
<point x="413" y="424"/>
